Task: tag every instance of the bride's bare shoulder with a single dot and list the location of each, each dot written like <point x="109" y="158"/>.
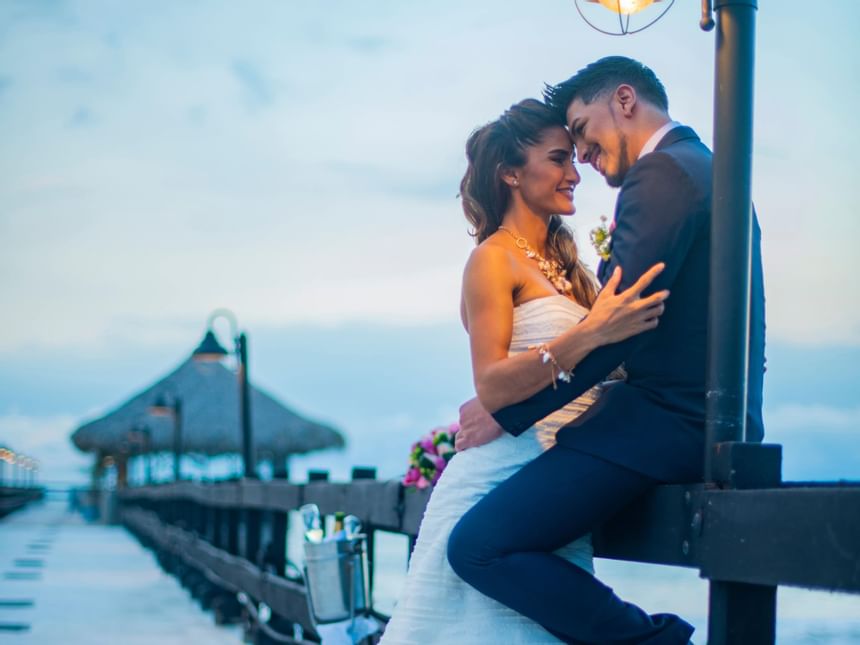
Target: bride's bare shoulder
<point x="492" y="256"/>
<point x="491" y="271"/>
<point x="489" y="276"/>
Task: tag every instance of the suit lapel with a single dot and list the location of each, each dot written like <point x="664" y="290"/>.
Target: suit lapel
<point x="675" y="135"/>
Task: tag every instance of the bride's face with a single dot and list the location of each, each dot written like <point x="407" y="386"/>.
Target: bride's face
<point x="547" y="180"/>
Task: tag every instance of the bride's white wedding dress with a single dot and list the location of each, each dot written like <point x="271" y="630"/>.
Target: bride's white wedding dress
<point x="436" y="606"/>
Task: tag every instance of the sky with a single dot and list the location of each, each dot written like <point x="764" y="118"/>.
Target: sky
<point x="298" y="162"/>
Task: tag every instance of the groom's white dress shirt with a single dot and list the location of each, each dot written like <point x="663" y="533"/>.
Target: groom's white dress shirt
<point x="656" y="137"/>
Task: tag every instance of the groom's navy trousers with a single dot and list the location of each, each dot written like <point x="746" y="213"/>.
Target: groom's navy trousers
<point x="645" y="431"/>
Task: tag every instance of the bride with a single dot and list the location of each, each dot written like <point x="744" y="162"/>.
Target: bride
<point x="532" y="312"/>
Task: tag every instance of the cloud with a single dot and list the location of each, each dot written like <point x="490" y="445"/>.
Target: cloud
<point x="819" y="442"/>
<point x="370" y="44"/>
<point x="82" y="117"/>
<point x="787" y="420"/>
<point x="73" y="76"/>
<point x="204" y="186"/>
<point x="257" y="90"/>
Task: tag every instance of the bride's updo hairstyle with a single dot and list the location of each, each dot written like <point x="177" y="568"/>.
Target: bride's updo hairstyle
<point x="501" y="145"/>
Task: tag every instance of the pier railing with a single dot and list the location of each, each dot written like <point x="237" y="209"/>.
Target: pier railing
<point x="14" y="497"/>
<point x="230" y="537"/>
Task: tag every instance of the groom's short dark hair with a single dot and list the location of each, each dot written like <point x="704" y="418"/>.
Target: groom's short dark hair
<point x="604" y="76"/>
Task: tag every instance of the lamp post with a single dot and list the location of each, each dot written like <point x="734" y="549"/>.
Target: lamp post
<point x="731" y="227"/>
<point x="211" y="350"/>
<point x="142" y="437"/>
<point x="164" y="408"/>
<point x="20" y="474"/>
<point x="34" y="465"/>
<point x="3" y="460"/>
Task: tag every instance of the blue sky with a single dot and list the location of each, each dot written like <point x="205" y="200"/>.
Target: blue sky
<point x="298" y="163"/>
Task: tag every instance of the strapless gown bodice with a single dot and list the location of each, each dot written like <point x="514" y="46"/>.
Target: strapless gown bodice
<point x="435" y="605"/>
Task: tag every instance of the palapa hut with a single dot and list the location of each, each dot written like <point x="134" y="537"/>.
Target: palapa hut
<point x="210" y="419"/>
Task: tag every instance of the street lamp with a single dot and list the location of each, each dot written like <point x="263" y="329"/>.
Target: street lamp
<point x="171" y="408"/>
<point x="624" y="9"/>
<point x="210" y="350"/>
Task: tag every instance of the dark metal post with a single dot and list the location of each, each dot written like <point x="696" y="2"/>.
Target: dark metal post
<point x="177" y="440"/>
<point x="147" y="447"/>
<point x="248" y="460"/>
<point x="738" y="613"/>
<point x="731" y="227"/>
<point x="280" y="523"/>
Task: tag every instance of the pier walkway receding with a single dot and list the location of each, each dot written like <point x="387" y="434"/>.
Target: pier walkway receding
<point x="65" y="581"/>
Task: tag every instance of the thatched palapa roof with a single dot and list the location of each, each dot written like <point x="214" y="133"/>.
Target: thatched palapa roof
<point x="209" y="393"/>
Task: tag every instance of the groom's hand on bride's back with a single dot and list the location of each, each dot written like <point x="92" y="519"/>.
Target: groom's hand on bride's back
<point x="477" y="426"/>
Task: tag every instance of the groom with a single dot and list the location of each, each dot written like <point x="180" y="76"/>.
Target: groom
<point x="645" y="431"/>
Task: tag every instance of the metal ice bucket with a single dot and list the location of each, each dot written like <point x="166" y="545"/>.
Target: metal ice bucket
<point x="334" y="579"/>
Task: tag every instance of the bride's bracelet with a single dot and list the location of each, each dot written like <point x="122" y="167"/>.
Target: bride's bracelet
<point x="547" y="357"/>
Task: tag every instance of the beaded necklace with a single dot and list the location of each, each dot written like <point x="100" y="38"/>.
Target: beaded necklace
<point x="550" y="268"/>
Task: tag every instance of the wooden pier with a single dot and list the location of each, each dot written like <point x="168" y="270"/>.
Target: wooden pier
<point x="747" y="536"/>
<point x="13" y="498"/>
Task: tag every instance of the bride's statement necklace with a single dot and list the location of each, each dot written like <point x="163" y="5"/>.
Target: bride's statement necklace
<point x="550" y="268"/>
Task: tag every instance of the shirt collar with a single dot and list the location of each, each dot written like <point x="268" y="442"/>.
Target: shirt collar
<point x="656" y="138"/>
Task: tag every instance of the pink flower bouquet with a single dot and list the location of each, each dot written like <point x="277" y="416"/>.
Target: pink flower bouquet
<point x="429" y="456"/>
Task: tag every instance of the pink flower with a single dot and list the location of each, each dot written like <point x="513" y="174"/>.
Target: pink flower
<point x="454" y="428"/>
<point x="427" y="444"/>
<point x="422" y="483"/>
<point x="412" y="476"/>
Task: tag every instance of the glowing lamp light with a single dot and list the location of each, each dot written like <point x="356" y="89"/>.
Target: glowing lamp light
<point x="623" y="10"/>
<point x="161" y="408"/>
<point x="624" y="7"/>
<point x="209" y="350"/>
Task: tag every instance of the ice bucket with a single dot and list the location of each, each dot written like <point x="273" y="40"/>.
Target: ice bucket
<point x="334" y="578"/>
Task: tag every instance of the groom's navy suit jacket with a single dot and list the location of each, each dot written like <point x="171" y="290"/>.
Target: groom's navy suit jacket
<point x="654" y="422"/>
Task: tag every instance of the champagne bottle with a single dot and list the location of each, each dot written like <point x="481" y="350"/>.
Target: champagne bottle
<point x="338" y="522"/>
<point x="313" y="525"/>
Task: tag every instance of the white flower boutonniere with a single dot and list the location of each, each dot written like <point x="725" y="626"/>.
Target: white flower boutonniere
<point x="601" y="239"/>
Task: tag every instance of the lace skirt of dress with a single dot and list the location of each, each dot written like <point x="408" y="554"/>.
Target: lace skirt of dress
<point x="435" y="605"/>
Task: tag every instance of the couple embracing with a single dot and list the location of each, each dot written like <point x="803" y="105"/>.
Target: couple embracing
<point x="587" y="397"/>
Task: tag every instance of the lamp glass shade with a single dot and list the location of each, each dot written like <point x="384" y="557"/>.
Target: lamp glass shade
<point x="625" y="7"/>
<point x="161" y="408"/>
<point x="209" y="350"/>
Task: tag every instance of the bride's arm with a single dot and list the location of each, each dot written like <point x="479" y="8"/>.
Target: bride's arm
<point x="488" y="287"/>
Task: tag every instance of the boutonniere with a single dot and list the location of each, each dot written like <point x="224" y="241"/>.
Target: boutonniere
<point x="601" y="238"/>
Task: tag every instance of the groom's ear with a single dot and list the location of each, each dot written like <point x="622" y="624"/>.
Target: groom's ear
<point x="625" y="98"/>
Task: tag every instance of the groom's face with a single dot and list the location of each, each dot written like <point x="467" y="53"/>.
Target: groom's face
<point x="599" y="139"/>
